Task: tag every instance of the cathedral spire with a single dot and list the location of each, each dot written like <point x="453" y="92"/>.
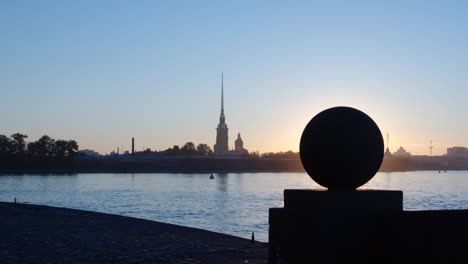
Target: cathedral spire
<point x="222" y="147"/>
<point x="222" y="94"/>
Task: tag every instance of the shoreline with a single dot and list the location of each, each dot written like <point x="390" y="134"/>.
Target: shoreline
<point x="21" y="172"/>
<point x="63" y="173"/>
<point x="187" y="164"/>
<point x="44" y="234"/>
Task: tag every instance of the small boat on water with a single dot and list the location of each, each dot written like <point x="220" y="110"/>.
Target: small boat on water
<point x="211" y="176"/>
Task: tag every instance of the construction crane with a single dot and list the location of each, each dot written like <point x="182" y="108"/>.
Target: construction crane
<point x="430" y="148"/>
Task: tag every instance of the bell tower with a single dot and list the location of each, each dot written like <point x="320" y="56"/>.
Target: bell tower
<point x="221" y="146"/>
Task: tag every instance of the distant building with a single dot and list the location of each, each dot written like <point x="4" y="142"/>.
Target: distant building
<point x="239" y="149"/>
<point x="221" y="146"/>
<point x="89" y="152"/>
<point x="239" y="144"/>
<point x="402" y="153"/>
<point x="457" y="158"/>
<point x="387" y="153"/>
<point x="457" y="152"/>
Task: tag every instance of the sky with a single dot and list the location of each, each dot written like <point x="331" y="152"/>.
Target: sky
<point x="101" y="72"/>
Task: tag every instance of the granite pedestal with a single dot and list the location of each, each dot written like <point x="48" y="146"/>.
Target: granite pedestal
<point x="329" y="226"/>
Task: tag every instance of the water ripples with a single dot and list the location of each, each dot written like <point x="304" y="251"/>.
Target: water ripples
<point x="235" y="203"/>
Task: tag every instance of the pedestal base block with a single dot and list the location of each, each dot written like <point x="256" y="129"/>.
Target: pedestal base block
<point x="329" y="226"/>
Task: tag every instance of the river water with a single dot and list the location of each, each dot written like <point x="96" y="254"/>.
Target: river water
<point x="233" y="203"/>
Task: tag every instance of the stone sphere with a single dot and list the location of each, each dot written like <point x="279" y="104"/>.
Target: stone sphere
<point x="341" y="148"/>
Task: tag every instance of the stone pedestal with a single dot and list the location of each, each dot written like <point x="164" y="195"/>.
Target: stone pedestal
<point x="330" y="226"/>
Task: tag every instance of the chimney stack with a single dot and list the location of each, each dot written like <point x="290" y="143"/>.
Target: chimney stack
<point x="133" y="147"/>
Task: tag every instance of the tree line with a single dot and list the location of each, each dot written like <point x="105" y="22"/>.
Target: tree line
<point x="190" y="150"/>
<point x="15" y="147"/>
<point x="280" y="155"/>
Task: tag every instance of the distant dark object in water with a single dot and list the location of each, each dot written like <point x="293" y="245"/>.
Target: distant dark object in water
<point x="341" y="148"/>
<point x="211" y="176"/>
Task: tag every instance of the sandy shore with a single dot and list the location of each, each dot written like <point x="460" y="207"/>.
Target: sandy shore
<point x="42" y="234"/>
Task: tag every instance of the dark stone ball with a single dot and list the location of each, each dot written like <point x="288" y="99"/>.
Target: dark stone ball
<point x="341" y="148"/>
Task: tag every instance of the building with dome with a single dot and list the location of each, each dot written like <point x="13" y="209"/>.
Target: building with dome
<point x="402" y="153"/>
<point x="239" y="149"/>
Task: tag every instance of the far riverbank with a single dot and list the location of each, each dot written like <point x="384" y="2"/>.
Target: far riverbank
<point x="200" y="165"/>
<point x="159" y="165"/>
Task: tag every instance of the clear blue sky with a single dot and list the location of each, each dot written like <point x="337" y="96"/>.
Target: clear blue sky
<point x="101" y="72"/>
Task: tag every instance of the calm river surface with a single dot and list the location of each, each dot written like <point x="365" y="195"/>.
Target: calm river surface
<point x="233" y="203"/>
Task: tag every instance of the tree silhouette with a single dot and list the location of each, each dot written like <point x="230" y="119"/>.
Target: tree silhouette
<point x="281" y="155"/>
<point x="16" y="153"/>
<point x="188" y="148"/>
<point x="173" y="151"/>
<point x="65" y="149"/>
<point x="19" y="143"/>
<point x="43" y="148"/>
<point x="204" y="150"/>
<point x="61" y="147"/>
<point x="6" y="146"/>
<point x="254" y="155"/>
<point x="72" y="148"/>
